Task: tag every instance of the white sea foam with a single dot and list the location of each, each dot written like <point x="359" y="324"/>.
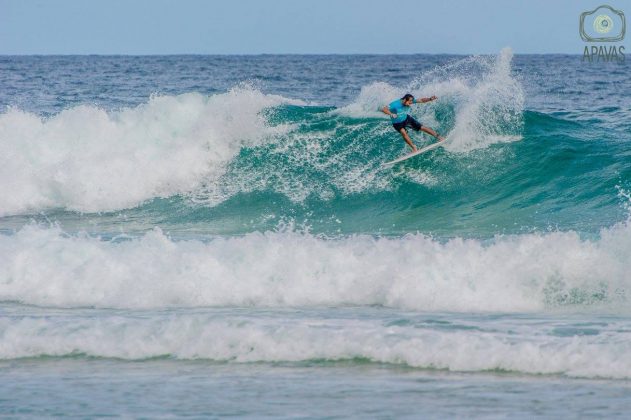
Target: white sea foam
<point x="489" y="111"/>
<point x="530" y="272"/>
<point x="88" y="160"/>
<point x="526" y="346"/>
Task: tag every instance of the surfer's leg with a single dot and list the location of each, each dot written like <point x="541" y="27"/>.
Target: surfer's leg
<point x="407" y="139"/>
<point x="411" y="122"/>
<point x="432" y="133"/>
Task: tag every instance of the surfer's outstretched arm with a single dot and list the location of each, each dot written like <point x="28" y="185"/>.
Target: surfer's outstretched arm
<point x="423" y="100"/>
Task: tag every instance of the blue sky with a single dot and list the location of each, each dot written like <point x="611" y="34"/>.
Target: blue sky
<point x="292" y="26"/>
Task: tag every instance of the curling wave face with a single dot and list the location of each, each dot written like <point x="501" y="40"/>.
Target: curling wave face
<point x="88" y="160"/>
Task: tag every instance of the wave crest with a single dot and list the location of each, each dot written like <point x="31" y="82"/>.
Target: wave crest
<point x="86" y="159"/>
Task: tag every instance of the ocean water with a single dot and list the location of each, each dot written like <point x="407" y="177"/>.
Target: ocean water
<point x="213" y="236"/>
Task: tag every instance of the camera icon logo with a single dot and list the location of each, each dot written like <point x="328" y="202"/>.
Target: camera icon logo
<point x="603" y="24"/>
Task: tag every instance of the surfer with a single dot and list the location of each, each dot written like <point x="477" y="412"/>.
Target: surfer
<point x="398" y="112"/>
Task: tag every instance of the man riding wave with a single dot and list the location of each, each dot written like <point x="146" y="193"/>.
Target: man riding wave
<point x="398" y="112"/>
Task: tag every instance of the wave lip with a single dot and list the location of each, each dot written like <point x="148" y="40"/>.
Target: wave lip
<point x="523" y="273"/>
<point x="88" y="160"/>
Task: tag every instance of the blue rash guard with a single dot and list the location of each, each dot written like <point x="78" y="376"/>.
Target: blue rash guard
<point x="401" y="110"/>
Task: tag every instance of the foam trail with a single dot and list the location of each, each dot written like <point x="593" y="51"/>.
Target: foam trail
<point x="86" y="159"/>
<point x="528" y="272"/>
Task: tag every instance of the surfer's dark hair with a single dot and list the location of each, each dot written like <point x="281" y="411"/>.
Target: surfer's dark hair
<point x="407" y="96"/>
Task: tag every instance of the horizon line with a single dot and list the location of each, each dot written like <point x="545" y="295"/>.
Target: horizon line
<point x="257" y="54"/>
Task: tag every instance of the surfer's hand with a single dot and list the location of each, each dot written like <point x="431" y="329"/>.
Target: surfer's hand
<point x="433" y="98"/>
<point x="393" y="116"/>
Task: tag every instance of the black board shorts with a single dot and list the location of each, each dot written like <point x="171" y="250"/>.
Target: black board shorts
<point x="409" y="122"/>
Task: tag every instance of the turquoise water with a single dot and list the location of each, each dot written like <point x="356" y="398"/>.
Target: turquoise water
<point x="213" y="235"/>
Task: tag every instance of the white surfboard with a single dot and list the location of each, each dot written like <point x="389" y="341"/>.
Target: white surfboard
<point x="411" y="155"/>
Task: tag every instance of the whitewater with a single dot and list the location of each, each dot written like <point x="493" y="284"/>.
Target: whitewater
<point x="178" y="228"/>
